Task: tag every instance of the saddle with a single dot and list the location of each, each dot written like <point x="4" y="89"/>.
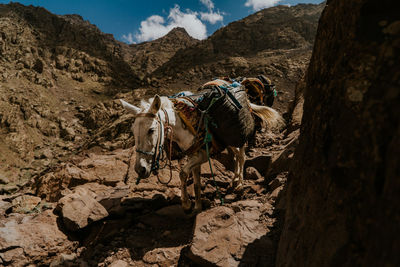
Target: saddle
<point x="187" y="109"/>
<point x="224" y="108"/>
<point x="260" y="90"/>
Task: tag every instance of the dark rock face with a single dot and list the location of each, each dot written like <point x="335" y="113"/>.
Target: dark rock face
<point x="343" y="192"/>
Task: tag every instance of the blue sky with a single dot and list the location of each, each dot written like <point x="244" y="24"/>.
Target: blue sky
<point x="135" y="21"/>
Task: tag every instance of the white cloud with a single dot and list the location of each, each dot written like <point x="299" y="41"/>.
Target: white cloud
<point x="260" y="4"/>
<point x="155" y="26"/>
<point x="212" y="17"/>
<point x="128" y="38"/>
<point x="208" y="3"/>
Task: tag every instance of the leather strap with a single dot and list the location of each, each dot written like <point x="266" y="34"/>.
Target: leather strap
<point x="146" y="115"/>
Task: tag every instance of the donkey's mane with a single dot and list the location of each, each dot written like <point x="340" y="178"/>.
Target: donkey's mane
<point x="165" y="103"/>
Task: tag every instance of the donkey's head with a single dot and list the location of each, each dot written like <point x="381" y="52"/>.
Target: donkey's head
<point x="148" y="132"/>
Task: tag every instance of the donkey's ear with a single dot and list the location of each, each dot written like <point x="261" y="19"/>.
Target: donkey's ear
<point x="129" y="107"/>
<point x="155" y="106"/>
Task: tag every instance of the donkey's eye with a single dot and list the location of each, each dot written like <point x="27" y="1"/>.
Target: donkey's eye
<point x="151" y="131"/>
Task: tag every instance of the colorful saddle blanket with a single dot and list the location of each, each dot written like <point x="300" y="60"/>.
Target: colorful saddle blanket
<point x="191" y="116"/>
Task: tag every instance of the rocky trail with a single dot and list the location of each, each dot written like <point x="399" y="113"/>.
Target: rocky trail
<point x="88" y="211"/>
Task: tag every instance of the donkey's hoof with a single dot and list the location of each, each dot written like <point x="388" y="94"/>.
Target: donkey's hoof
<point x="193" y="213"/>
<point x="188" y="212"/>
<point x="183" y="175"/>
<point x="187" y="207"/>
<point x="197" y="211"/>
<point x="238" y="188"/>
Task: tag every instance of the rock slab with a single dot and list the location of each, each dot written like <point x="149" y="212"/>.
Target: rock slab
<point x="80" y="208"/>
<point x="32" y="238"/>
<point x="221" y="235"/>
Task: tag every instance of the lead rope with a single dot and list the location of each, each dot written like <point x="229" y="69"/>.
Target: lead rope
<point x="169" y="159"/>
<point x="167" y="128"/>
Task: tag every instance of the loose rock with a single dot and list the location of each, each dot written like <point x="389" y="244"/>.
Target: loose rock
<point x="25" y="204"/>
<point x="79" y="209"/>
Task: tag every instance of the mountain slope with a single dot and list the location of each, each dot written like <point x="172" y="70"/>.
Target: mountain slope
<point x="31" y="35"/>
<point x="148" y="56"/>
<point x="279" y="29"/>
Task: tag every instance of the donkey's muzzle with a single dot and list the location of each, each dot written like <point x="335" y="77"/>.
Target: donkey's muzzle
<point x="142" y="172"/>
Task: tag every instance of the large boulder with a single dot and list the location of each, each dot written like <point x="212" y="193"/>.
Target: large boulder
<point x="109" y="169"/>
<point x="222" y="234"/>
<point x="89" y="203"/>
<point x="80" y="208"/>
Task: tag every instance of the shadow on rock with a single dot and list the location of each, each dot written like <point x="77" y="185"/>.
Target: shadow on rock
<point x="262" y="252"/>
<point x="155" y="237"/>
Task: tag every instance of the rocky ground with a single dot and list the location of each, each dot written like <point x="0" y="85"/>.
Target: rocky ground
<point x="88" y="211"/>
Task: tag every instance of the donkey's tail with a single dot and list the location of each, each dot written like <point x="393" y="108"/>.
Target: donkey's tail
<point x="270" y="118"/>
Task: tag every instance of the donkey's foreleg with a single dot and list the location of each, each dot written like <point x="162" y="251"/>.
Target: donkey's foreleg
<point x="239" y="158"/>
<point x="197" y="189"/>
<point x="235" y="152"/>
<point x="195" y="160"/>
<point x="193" y="165"/>
<point x="185" y="202"/>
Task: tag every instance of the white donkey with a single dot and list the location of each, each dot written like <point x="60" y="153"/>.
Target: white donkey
<point x="150" y="132"/>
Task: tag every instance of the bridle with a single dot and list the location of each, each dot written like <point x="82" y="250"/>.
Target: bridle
<point x="159" y="145"/>
<point x="157" y="152"/>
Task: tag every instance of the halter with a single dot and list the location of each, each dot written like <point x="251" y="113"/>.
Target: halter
<point x="157" y="153"/>
<point x="158" y="150"/>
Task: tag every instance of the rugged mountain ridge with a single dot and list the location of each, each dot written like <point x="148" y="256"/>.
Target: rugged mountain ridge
<point x="148" y="56"/>
<point x="257" y="43"/>
<point x="32" y="34"/>
<point x="281" y="29"/>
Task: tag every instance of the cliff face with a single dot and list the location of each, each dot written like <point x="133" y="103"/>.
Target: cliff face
<point x="343" y="193"/>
